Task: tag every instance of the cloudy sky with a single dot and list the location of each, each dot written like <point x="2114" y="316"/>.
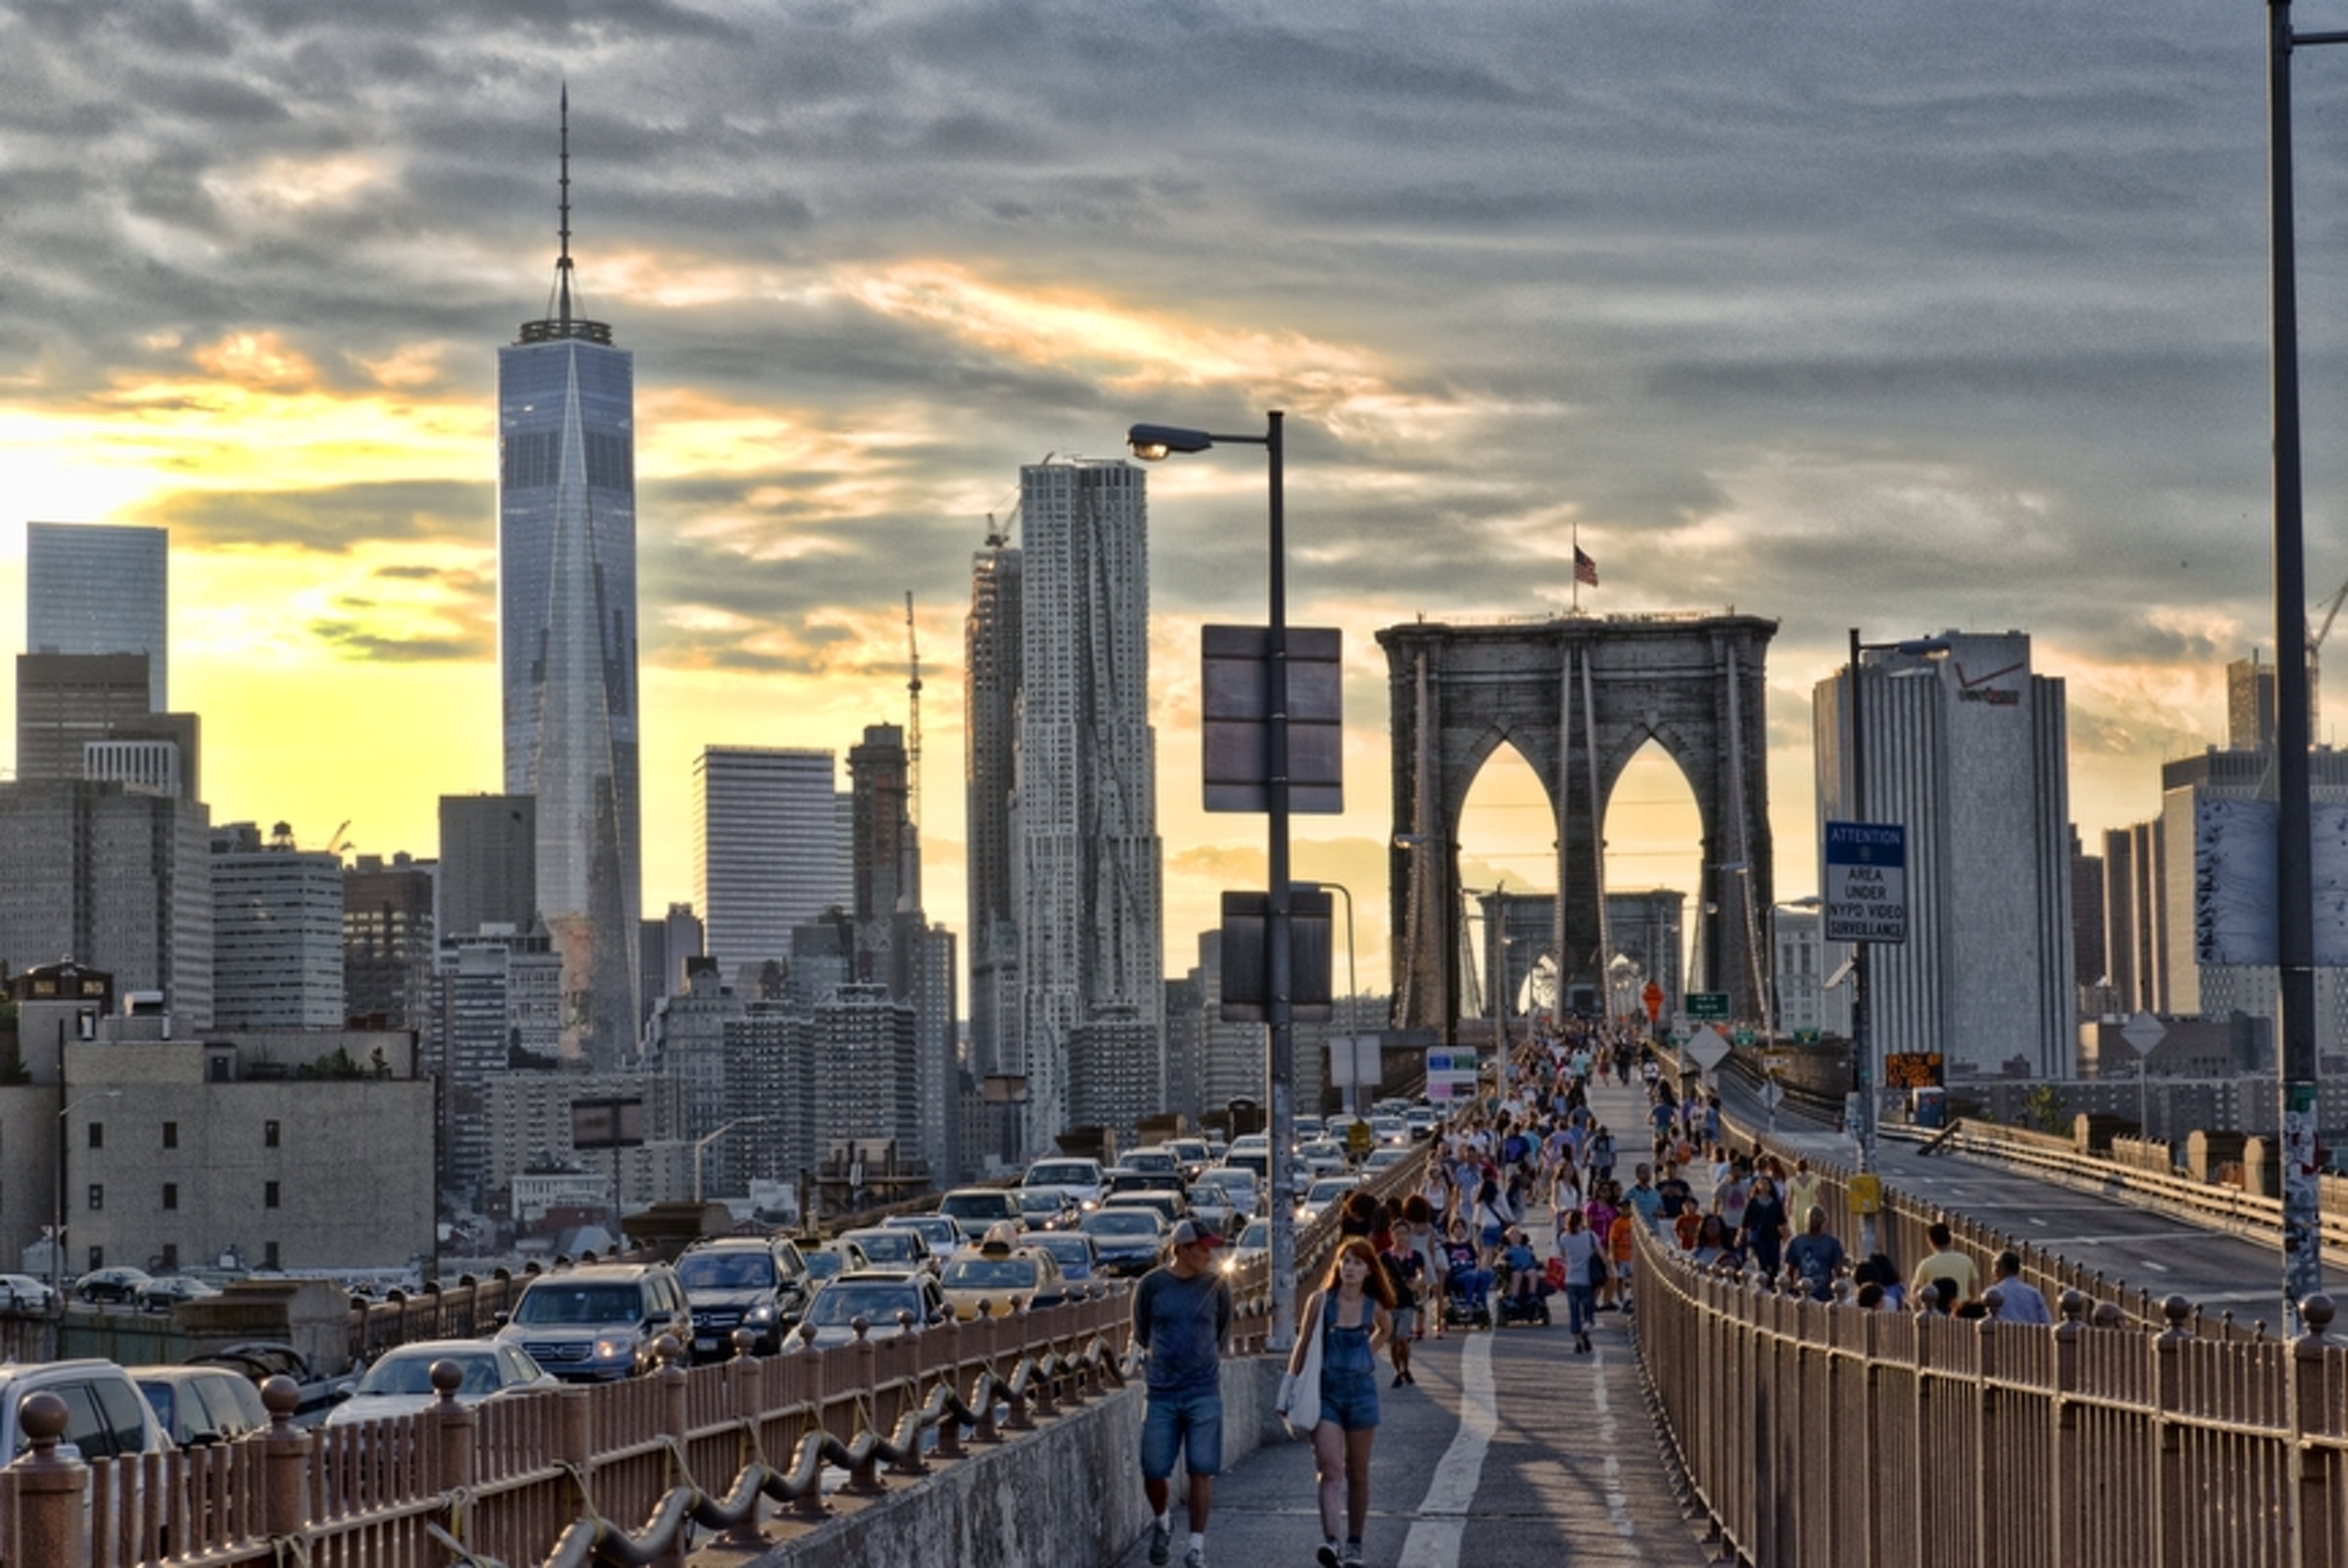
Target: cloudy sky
<point x="1889" y="314"/>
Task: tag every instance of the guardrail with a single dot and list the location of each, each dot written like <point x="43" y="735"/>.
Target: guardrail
<point x="604" y="1475"/>
<point x="1821" y="1432"/>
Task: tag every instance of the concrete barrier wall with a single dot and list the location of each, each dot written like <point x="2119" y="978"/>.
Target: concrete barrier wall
<point x="1067" y="1495"/>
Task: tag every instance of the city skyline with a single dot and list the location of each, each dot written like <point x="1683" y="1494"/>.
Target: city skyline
<point x="1953" y="323"/>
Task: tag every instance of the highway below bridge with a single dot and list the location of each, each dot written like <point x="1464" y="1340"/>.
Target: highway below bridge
<point x="2122" y="1236"/>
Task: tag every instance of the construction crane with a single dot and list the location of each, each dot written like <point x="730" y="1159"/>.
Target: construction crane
<point x="2331" y="613"/>
<point x="341" y="840"/>
<point x="913" y="724"/>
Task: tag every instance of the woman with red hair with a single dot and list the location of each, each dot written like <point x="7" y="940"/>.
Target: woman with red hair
<point x="1351" y="1314"/>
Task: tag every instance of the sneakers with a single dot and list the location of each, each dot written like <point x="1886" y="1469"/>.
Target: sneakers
<point x="1353" y="1554"/>
<point x="1161" y="1539"/>
<point x="1327" y="1555"/>
<point x="1194" y="1558"/>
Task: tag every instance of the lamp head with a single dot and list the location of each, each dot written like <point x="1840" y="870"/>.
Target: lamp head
<point x="1151" y="442"/>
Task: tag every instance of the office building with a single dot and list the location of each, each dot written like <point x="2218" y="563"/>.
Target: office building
<point x="1966" y="748"/>
<point x="488" y="864"/>
<point x="1090" y="927"/>
<point x="566" y="591"/>
<point x="66" y="702"/>
<point x="1807" y="1005"/>
<point x="766" y="836"/>
<point x="277" y="931"/>
<point x="100" y="589"/>
<point x="2151" y="873"/>
<point x="886" y="858"/>
<point x="113" y="877"/>
<point x="389" y="941"/>
<point x="666" y="946"/>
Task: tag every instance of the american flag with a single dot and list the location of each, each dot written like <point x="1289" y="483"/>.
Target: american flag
<point x="1584" y="569"/>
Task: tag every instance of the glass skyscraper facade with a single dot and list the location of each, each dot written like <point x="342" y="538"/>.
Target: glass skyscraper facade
<point x="567" y="570"/>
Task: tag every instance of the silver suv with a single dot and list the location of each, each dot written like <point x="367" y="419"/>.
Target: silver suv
<point x="106" y="1416"/>
<point x="598" y="1324"/>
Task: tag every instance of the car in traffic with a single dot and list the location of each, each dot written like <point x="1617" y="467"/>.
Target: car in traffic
<point x="163" y="1294"/>
<point x="1170" y="1207"/>
<point x="400" y="1383"/>
<point x="1078" y="1177"/>
<point x="1252" y="1243"/>
<point x="119" y="1285"/>
<point x="22" y="1293"/>
<point x="1002" y="1277"/>
<point x="1126" y="1240"/>
<point x="1323" y="1193"/>
<point x="1156" y="1159"/>
<point x="1390" y="1131"/>
<point x="1380" y="1159"/>
<point x="1322" y="1156"/>
<point x="1045" y="1208"/>
<point x="200" y="1406"/>
<point x="599" y="1323"/>
<point x="882" y="1248"/>
<point x="106" y="1415"/>
<point x="943" y="1232"/>
<point x="890" y="1304"/>
<point x="754" y="1283"/>
<point x="822" y="1262"/>
<point x="973" y="1208"/>
<point x="1421" y="1121"/>
<point x="1073" y="1249"/>
<point x="1194" y="1154"/>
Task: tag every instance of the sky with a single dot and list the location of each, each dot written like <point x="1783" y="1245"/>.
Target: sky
<point x="1891" y="316"/>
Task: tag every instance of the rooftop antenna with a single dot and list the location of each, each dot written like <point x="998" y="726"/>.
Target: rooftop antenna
<point x="913" y="698"/>
<point x="562" y="261"/>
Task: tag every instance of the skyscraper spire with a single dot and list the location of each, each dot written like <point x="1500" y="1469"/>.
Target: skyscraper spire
<point x="559" y="321"/>
<point x="562" y="261"/>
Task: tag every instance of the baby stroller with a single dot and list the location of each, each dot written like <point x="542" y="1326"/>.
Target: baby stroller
<point x="1467" y="1299"/>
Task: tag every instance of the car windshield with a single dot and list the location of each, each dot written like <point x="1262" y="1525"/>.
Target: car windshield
<point x="1121" y="1222"/>
<point x="841" y="1302"/>
<point x="1066" y="1248"/>
<point x="888" y="1246"/>
<point x="735" y="1268"/>
<point x="987" y="1205"/>
<point x="408" y="1373"/>
<point x="823" y="1265"/>
<point x="1040" y="1202"/>
<point x="1062" y="1176"/>
<point x="1258" y="1233"/>
<point x="1329" y="1190"/>
<point x="552" y="1303"/>
<point x="990" y="1273"/>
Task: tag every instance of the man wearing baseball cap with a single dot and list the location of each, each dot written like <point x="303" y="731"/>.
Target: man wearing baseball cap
<point x="1182" y="1319"/>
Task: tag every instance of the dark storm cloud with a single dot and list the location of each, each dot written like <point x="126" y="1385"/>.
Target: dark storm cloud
<point x="331" y="520"/>
<point x="1917" y="316"/>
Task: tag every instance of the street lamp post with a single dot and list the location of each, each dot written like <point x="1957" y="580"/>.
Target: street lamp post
<point x="1151" y="442"/>
<point x="2294" y="895"/>
<point x="1864" y="1076"/>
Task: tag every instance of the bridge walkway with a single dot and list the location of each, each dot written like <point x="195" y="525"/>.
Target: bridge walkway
<point x="1510" y="1450"/>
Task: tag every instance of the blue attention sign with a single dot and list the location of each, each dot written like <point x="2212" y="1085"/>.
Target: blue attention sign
<point x="1864" y="895"/>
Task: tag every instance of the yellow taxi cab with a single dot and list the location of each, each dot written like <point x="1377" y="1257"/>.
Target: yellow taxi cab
<point x="1003" y="1274"/>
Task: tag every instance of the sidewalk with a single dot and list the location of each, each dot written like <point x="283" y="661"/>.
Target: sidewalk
<point x="1510" y="1451"/>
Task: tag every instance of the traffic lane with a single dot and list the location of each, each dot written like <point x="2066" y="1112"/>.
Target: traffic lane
<point x="2146" y="1247"/>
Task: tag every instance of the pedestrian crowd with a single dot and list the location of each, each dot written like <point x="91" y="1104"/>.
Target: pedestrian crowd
<point x="1468" y="1248"/>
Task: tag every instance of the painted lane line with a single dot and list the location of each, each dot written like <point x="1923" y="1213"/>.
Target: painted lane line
<point x="1441" y="1526"/>
<point x="1617" y="1503"/>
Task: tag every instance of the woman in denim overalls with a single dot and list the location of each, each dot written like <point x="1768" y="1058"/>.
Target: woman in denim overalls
<point x="1349" y="1312"/>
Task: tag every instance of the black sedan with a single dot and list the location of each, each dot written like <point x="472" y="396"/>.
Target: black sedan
<point x="1126" y="1240"/>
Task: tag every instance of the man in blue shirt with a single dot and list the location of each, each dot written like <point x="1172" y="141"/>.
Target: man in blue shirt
<point x="1182" y="1317"/>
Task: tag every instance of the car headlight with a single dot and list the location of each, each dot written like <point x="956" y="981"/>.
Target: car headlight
<point x="765" y="1314"/>
<point x="613" y="1349"/>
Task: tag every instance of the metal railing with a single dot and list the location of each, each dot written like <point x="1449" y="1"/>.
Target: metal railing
<point x="1821" y="1432"/>
<point x="602" y="1475"/>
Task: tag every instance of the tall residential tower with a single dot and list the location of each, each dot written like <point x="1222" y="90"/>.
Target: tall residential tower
<point x="1092" y="939"/>
<point x="566" y="584"/>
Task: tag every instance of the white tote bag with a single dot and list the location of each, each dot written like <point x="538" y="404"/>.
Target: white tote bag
<point x="1304" y="1411"/>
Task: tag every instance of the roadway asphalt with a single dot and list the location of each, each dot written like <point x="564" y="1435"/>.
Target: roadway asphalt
<point x="2125" y="1239"/>
<point x="1509" y="1451"/>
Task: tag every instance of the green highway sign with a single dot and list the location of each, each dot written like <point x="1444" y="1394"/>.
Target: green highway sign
<point x="1709" y="1007"/>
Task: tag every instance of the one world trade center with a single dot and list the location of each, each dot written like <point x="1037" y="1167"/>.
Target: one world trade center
<point x="566" y="591"/>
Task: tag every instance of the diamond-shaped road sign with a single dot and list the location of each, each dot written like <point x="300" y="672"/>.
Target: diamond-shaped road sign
<point x="2143" y="1032"/>
<point x="1708" y="1045"/>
